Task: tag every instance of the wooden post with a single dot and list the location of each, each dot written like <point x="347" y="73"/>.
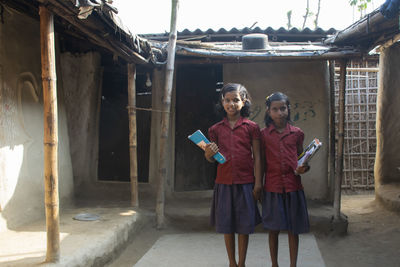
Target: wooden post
<point x="340" y="146"/>
<point x="166" y="107"/>
<point x="50" y="134"/>
<point x="332" y="128"/>
<point x="132" y="134"/>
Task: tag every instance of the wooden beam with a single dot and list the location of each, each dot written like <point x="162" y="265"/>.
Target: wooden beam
<point x="132" y="134"/>
<point x="220" y="58"/>
<point x="166" y="106"/>
<point x="390" y="42"/>
<point x="50" y="134"/>
<point x="340" y="145"/>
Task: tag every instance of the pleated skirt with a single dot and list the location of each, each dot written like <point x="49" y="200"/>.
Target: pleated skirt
<point x="285" y="211"/>
<point x="234" y="209"/>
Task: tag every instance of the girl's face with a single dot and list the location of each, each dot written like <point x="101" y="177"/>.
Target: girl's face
<point x="232" y="103"/>
<point x="278" y="111"/>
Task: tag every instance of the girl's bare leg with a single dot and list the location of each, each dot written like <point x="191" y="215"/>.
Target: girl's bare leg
<point x="243" y="244"/>
<point x="273" y="247"/>
<point x="293" y="248"/>
<point x="230" y="249"/>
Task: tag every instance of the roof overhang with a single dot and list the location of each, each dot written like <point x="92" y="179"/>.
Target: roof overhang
<point x="369" y="32"/>
<point x="94" y="21"/>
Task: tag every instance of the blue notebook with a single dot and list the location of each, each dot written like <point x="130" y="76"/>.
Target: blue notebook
<point x="199" y="139"/>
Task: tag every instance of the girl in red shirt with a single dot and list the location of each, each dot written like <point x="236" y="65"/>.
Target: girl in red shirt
<point x="238" y="180"/>
<point x="284" y="203"/>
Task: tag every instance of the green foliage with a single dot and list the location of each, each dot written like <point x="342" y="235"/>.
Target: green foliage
<point x="289" y="17"/>
<point x="360" y="4"/>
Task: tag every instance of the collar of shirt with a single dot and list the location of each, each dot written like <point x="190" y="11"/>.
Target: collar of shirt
<point x="239" y="122"/>
<point x="289" y="129"/>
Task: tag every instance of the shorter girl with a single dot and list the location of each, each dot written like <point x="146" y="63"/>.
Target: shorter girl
<point x="284" y="203"/>
<point x="238" y="139"/>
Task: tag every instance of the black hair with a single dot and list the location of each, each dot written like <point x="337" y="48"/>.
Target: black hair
<point x="278" y="96"/>
<point x="244" y="94"/>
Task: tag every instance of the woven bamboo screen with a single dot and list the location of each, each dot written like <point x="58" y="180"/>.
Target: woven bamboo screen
<point x="360" y="136"/>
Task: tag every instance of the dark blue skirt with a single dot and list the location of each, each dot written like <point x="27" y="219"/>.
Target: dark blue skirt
<point x="234" y="209"/>
<point x="285" y="211"/>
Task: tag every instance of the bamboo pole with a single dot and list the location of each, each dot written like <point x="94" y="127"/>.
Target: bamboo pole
<point x="132" y="134"/>
<point x="332" y="128"/>
<point x="50" y="134"/>
<point x="340" y="146"/>
<point x="166" y="107"/>
<point x="360" y="69"/>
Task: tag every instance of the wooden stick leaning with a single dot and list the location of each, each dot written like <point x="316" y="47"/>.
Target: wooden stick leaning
<point x="132" y="134"/>
<point x="340" y="145"/>
<point x="166" y="102"/>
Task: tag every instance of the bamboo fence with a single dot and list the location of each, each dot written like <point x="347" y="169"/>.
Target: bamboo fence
<point x="360" y="136"/>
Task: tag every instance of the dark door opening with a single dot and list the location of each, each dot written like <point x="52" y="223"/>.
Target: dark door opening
<point x="114" y="126"/>
<point x="196" y="96"/>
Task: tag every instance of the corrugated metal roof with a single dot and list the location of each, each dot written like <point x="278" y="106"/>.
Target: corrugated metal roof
<point x="223" y="35"/>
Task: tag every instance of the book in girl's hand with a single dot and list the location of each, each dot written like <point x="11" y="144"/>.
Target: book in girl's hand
<point x="309" y="152"/>
<point x="201" y="140"/>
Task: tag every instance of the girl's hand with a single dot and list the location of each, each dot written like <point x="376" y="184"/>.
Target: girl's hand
<point x="210" y="150"/>
<point x="302" y="169"/>
<point x="257" y="191"/>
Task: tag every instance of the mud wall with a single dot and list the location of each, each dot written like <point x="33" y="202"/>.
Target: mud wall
<point x="21" y="126"/>
<point x="387" y="160"/>
<point x="81" y="80"/>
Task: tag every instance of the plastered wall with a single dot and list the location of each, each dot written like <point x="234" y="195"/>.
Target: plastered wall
<point x="81" y="82"/>
<point x="21" y="126"/>
<point x="387" y="160"/>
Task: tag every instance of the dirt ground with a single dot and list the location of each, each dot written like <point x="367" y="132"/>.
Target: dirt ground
<point x="373" y="237"/>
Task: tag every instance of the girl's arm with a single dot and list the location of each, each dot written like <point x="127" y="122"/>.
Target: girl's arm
<point x="210" y="150"/>
<point x="258" y="170"/>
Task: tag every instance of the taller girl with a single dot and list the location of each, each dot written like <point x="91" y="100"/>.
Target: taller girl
<point x="284" y="203"/>
<point x="238" y="181"/>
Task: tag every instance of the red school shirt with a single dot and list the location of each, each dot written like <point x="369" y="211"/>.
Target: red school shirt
<point x="281" y="158"/>
<point x="236" y="146"/>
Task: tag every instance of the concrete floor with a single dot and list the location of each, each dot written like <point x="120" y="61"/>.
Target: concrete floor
<point x="373" y="239"/>
<point x="124" y="236"/>
<point x="208" y="249"/>
<point x="82" y="243"/>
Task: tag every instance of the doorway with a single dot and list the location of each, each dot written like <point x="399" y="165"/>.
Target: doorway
<point x="196" y="96"/>
<point x="114" y="125"/>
